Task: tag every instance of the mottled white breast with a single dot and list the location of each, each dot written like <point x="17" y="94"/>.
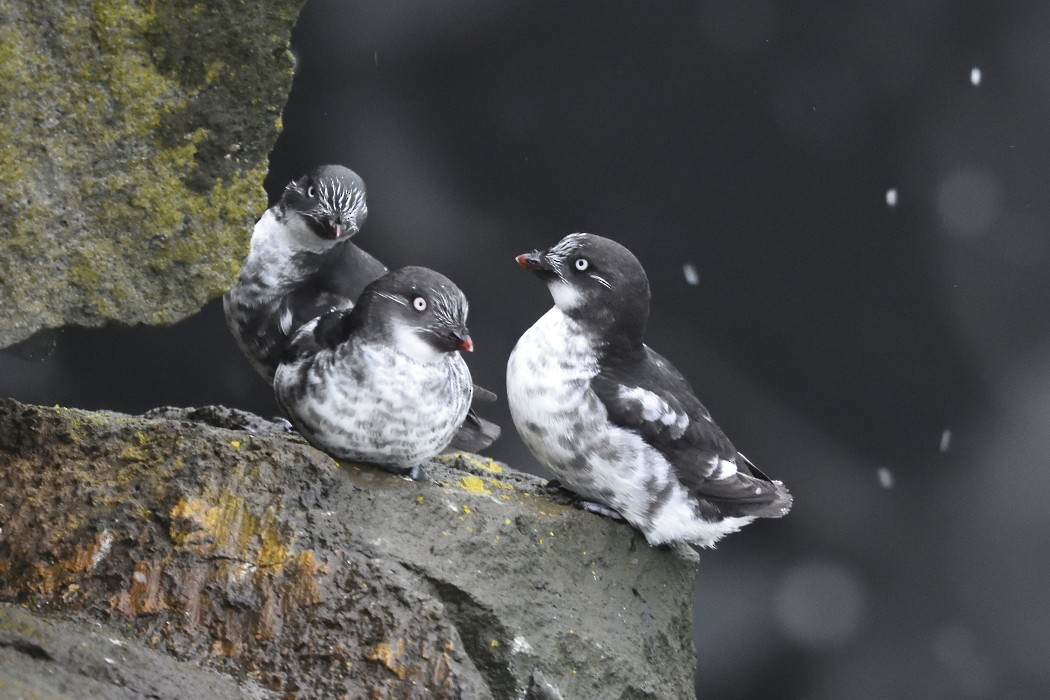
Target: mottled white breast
<point x="565" y="425"/>
<point x="373" y="403"/>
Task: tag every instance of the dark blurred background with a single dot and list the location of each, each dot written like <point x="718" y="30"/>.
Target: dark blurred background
<point x="843" y="211"/>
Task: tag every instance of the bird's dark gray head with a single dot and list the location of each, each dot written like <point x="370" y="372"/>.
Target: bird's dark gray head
<point x="595" y="281"/>
<point x="421" y="311"/>
<point x="330" y="200"/>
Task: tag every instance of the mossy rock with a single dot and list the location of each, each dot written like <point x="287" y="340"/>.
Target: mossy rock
<point x="255" y="555"/>
<point x="133" y="146"/>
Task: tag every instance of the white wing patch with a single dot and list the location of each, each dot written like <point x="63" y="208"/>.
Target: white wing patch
<point x="722" y="468"/>
<point x="654" y="409"/>
<point x="285" y="321"/>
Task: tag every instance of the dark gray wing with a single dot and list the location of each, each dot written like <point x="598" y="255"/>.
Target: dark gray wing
<point x="650" y="397"/>
<point x="339" y="277"/>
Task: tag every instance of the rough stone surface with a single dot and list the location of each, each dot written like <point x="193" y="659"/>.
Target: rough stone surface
<point x="65" y="660"/>
<point x="260" y="557"/>
<point x="134" y="138"/>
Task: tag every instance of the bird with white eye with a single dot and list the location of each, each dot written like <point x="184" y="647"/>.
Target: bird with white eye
<point x="301" y="263"/>
<point x="613" y="420"/>
<point x="383" y="383"/>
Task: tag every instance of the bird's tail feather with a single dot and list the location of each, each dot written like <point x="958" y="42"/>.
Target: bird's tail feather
<point x="475" y="434"/>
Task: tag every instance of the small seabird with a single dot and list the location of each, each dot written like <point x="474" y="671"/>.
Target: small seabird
<point x="613" y="420"/>
<point x="384" y="382"/>
<point x="301" y="264"/>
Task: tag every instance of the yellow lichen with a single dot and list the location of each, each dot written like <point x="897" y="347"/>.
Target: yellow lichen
<point x="98" y="124"/>
<point x="390" y="656"/>
<point x="473" y="484"/>
<point x="222" y="525"/>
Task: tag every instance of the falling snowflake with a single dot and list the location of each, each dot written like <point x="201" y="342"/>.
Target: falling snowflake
<point x="885" y="478"/>
<point x="975" y="76"/>
<point x="946" y="440"/>
<point x="891" y="197"/>
<point x="692" y="277"/>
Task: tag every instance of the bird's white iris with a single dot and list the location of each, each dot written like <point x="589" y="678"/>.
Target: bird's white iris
<point x="582" y="264"/>
<point x="419" y="304"/>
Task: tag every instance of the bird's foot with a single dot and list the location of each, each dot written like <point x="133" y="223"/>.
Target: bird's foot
<point x="413" y="473"/>
<point x="599" y="509"/>
<point x="582" y="503"/>
<point x="284" y="423"/>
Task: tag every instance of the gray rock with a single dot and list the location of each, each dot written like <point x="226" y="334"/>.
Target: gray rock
<point x="259" y="556"/>
<point x="65" y="660"/>
<point x="133" y="148"/>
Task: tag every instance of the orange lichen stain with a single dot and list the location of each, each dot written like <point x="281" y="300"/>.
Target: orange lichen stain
<point x="70" y="593"/>
<point x="49" y="578"/>
<point x="390" y="656"/>
<point x="303" y="573"/>
<point x="222" y="647"/>
<point x="145" y="594"/>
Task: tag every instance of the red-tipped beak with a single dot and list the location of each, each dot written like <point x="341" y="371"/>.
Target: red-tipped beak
<point x="530" y="261"/>
<point x="466" y="345"/>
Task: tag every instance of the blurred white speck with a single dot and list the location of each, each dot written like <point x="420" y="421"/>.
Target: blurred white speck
<point x="139" y="577"/>
<point x="891" y="197"/>
<point x="116" y="642"/>
<point x="885" y="478"/>
<point x="820" y="604"/>
<point x="946" y="439"/>
<point x="975" y="76"/>
<point x="968" y="201"/>
<point x="520" y="645"/>
<point x="956" y="648"/>
<point x="104" y="545"/>
<point x="691" y="275"/>
<point x="109" y="661"/>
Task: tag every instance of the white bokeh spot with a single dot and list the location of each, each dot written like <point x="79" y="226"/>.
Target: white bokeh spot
<point x="968" y="202"/>
<point x="820" y="604"/>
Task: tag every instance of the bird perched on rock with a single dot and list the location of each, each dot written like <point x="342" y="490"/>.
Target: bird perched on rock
<point x="613" y="420"/>
<point x="384" y="382"/>
<point x="301" y="263"/>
